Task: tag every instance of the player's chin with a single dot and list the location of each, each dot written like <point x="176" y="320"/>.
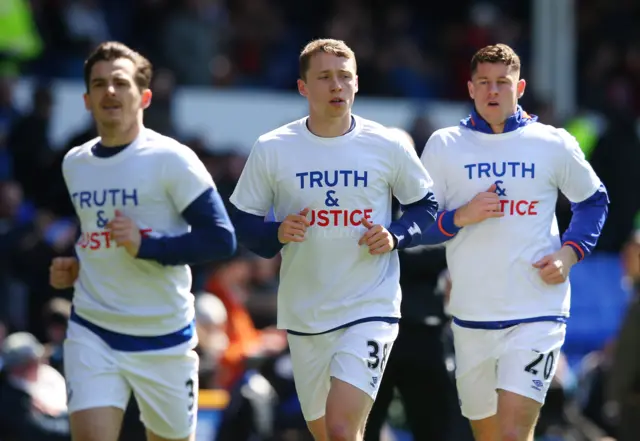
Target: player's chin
<point x="337" y="110"/>
<point x="110" y="120"/>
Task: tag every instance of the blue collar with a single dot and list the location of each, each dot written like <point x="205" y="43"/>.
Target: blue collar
<point x="515" y="121"/>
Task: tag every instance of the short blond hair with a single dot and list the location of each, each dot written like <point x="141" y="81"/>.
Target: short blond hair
<point x="327" y="45"/>
<point x="496" y="53"/>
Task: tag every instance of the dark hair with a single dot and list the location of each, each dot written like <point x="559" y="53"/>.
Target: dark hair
<point x="113" y="50"/>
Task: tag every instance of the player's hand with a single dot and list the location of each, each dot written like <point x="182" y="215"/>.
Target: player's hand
<point x="483" y="206"/>
<point x="63" y="272"/>
<point x="294" y="227"/>
<point x="554" y="268"/>
<point x="377" y="238"/>
<point x="125" y="233"/>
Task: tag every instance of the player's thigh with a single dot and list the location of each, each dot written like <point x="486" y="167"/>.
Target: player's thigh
<point x="358" y="363"/>
<point x="310" y="360"/>
<point x="96" y="389"/>
<point x="529" y="359"/>
<point x="96" y="424"/>
<point x="165" y="386"/>
<point x="476" y="380"/>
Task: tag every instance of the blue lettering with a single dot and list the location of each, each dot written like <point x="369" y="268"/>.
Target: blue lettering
<point x="133" y="196"/>
<point x="328" y="181"/>
<point x="114" y="197"/>
<point x="483" y="169"/>
<point x="470" y="167"/>
<point x="332" y="178"/>
<point x="357" y="178"/>
<point x="500" y="173"/>
<point x="531" y="170"/>
<point x="315" y="177"/>
<point x="301" y="176"/>
<point x="513" y="169"/>
<point x="346" y="174"/>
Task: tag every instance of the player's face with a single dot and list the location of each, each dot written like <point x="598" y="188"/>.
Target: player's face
<point x="495" y="89"/>
<point x="330" y="86"/>
<point x="113" y="98"/>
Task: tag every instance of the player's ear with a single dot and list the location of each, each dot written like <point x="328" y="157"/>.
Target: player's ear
<point x="302" y="88"/>
<point x="357" y="86"/>
<point x="146" y="98"/>
<point x="522" y="85"/>
<point x="471" y="91"/>
<point x="87" y="104"/>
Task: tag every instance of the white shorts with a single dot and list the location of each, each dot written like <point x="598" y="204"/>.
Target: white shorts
<point x="356" y="355"/>
<point x="164" y="382"/>
<point x="521" y="359"/>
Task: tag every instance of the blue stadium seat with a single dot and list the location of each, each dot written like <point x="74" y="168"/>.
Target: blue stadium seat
<point x="598" y="301"/>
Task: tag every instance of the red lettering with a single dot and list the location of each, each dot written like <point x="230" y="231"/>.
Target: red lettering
<point x="519" y="210"/>
<point x="325" y="218"/>
<point x="352" y="220"/>
<point x="107" y="238"/>
<point x="335" y="213"/>
<point x="95" y="240"/>
<point x="145" y="232"/>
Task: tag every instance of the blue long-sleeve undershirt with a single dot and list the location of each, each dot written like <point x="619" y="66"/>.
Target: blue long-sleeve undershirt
<point x="586" y="223"/>
<point x="415" y="219"/>
<point x="261" y="236"/>
<point x="212" y="236"/>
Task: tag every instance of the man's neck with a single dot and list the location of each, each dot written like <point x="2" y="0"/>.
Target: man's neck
<point x="329" y="128"/>
<point x="497" y="128"/>
<point x="116" y="138"/>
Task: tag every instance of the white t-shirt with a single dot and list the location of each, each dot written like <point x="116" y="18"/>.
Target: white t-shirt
<point x="328" y="280"/>
<point x="151" y="181"/>
<point x="491" y="262"/>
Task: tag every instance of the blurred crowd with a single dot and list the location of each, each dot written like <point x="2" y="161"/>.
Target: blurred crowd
<point x="418" y="50"/>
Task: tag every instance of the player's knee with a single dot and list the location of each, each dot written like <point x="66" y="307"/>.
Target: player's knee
<point x="341" y="430"/>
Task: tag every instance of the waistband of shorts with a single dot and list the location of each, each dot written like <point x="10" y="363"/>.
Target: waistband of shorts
<point x="504" y="324"/>
<point x="390" y="320"/>
<point x="136" y="343"/>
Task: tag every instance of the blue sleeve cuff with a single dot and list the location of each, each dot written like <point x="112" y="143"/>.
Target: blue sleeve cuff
<point x="446" y="224"/>
<point x="442" y="230"/>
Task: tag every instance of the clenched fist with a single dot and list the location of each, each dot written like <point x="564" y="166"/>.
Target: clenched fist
<point x="483" y="206"/>
<point x="63" y="272"/>
<point x="293" y="228"/>
<point x="125" y="232"/>
<point x="554" y="268"/>
<point x="377" y="238"/>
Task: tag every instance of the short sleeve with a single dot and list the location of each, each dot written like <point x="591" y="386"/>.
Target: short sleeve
<point x="254" y="191"/>
<point x="432" y="165"/>
<point x="185" y="177"/>
<point x="411" y="181"/>
<point x="574" y="175"/>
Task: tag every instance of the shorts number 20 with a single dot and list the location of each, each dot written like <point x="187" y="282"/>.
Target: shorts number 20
<point x="548" y="365"/>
